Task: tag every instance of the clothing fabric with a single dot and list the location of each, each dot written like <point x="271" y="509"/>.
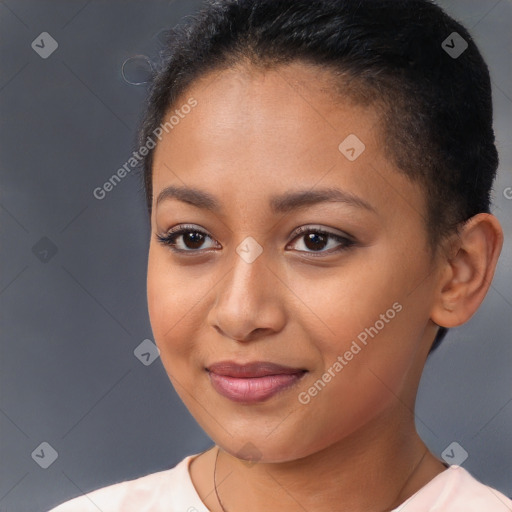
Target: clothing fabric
<point x="172" y="490"/>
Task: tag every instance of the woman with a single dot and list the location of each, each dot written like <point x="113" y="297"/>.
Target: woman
<point x="317" y="176"/>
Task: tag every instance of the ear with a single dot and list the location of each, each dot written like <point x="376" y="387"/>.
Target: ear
<point x="467" y="270"/>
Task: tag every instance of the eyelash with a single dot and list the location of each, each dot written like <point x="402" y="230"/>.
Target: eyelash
<point x="169" y="239"/>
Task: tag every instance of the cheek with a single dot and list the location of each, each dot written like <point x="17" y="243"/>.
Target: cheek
<point x="358" y="380"/>
<point x="339" y="304"/>
<point x="179" y="298"/>
<point x="171" y="299"/>
<point x="161" y="296"/>
<point x="367" y="315"/>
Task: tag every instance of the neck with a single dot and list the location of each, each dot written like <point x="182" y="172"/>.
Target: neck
<point x="393" y="464"/>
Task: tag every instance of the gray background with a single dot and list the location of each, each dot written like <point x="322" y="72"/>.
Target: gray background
<point x="70" y="321"/>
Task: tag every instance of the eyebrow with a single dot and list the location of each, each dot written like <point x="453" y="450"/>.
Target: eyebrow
<point x="283" y="203"/>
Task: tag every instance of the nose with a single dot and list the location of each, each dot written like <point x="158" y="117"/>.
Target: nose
<point x="249" y="302"/>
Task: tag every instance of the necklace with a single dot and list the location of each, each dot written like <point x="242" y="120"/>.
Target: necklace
<point x="224" y="510"/>
<point x="215" y="482"/>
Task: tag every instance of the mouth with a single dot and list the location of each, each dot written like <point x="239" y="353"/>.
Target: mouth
<point x="252" y="382"/>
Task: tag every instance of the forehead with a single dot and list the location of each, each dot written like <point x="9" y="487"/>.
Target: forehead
<point x="257" y="132"/>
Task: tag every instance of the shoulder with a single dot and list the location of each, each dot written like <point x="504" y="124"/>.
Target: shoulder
<point x="456" y="489"/>
<point x="466" y="491"/>
<point x="169" y="490"/>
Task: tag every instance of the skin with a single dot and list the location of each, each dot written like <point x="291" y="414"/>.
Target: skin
<point x="253" y="135"/>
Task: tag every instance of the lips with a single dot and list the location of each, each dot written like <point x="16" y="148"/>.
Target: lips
<point x="248" y="370"/>
<point x="252" y="382"/>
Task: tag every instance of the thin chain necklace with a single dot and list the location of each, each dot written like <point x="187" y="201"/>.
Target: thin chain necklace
<point x="224" y="510"/>
<point x="215" y="482"/>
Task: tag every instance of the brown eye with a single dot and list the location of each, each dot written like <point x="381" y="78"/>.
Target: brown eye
<point x="185" y="239"/>
<point x="314" y="240"/>
<point x="193" y="239"/>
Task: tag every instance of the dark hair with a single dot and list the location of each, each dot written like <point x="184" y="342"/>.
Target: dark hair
<point x="435" y="105"/>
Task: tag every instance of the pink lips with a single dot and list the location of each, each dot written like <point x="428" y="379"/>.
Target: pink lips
<point x="252" y="382"/>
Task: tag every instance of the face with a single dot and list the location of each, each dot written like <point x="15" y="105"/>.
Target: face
<point x="305" y="249"/>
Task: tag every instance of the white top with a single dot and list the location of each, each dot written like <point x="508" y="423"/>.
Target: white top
<point x="172" y="490"/>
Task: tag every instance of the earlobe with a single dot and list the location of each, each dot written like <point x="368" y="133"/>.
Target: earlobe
<point x="468" y="270"/>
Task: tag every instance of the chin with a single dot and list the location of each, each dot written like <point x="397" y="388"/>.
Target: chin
<point x="260" y="448"/>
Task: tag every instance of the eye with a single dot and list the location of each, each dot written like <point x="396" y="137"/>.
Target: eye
<point x="188" y="238"/>
<point x="185" y="238"/>
<point x="314" y="239"/>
